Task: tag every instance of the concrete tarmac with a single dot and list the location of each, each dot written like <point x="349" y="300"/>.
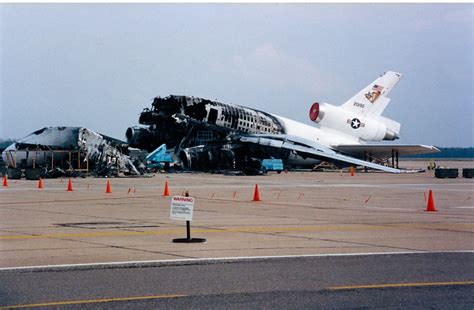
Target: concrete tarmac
<point x="300" y="213"/>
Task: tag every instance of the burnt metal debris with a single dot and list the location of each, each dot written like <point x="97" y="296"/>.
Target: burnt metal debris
<point x="69" y="151"/>
<point x="201" y="135"/>
<point x="204" y="133"/>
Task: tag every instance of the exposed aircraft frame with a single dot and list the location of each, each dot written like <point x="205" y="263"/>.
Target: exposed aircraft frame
<point x="209" y="135"/>
<point x="72" y="150"/>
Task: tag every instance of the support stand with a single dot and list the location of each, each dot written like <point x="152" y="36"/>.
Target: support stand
<point x="188" y="238"/>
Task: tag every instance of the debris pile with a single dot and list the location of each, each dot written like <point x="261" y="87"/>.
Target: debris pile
<point x="69" y="151"/>
<point x="106" y="152"/>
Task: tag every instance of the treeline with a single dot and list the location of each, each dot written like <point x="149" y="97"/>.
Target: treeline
<point x="448" y="152"/>
<point x="4" y="143"/>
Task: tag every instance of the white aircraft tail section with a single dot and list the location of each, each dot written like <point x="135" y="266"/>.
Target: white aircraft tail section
<point x="392" y="126"/>
<point x="373" y="98"/>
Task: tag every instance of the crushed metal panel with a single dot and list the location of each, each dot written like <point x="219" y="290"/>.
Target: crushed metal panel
<point x="69" y="148"/>
<point x="102" y="151"/>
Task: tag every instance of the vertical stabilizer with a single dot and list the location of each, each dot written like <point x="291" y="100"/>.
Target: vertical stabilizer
<point x="373" y="98"/>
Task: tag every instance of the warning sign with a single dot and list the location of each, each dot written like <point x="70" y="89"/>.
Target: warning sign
<point x="182" y="208"/>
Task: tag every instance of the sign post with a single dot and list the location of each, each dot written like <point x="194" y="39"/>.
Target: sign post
<point x="182" y="210"/>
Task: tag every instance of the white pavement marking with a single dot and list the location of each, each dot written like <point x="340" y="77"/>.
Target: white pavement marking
<point x="218" y="259"/>
<point x="463" y="207"/>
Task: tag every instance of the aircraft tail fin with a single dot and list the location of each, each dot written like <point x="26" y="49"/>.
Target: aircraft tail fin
<point x="373" y="98"/>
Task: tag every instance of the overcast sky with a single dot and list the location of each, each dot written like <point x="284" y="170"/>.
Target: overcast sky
<point x="98" y="66"/>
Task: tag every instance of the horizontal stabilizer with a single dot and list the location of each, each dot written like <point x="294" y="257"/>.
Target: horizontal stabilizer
<point x="310" y="149"/>
<point x="385" y="150"/>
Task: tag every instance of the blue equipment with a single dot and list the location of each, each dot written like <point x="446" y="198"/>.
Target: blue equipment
<point x="272" y="165"/>
<point x="159" y="157"/>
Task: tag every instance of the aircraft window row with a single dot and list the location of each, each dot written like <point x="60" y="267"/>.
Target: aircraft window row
<point x="247" y="122"/>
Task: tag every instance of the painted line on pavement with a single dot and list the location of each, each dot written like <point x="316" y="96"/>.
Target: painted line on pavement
<point x="275" y="229"/>
<point x="194" y="261"/>
<point x="91" y="301"/>
<point x="178" y="230"/>
<point x="398" y="285"/>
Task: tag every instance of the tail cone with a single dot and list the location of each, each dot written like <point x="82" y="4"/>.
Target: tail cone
<point x="40" y="183"/>
<point x="256" y="194"/>
<point x="5" y="182"/>
<point x="431" y="205"/>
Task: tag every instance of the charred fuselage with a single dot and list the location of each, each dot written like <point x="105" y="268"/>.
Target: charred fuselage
<point x="202" y="131"/>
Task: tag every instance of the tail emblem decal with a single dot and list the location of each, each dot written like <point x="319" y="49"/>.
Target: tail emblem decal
<point x="374" y="93"/>
<point x="355" y="123"/>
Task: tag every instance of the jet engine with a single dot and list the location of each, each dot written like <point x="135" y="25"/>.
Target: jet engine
<point x="348" y="122"/>
<point x="206" y="158"/>
<point x="138" y="137"/>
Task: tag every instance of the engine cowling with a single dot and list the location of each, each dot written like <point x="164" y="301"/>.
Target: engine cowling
<point x="138" y="136"/>
<point x="205" y="158"/>
<point x="337" y="118"/>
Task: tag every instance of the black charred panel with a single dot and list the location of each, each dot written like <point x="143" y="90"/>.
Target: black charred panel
<point x="177" y="120"/>
<point x="212" y="118"/>
<point x="196" y="111"/>
<point x="169" y="105"/>
<point x="147" y="117"/>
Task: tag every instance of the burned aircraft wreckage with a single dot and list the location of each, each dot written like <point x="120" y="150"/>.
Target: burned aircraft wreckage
<point x="58" y="151"/>
<point x="208" y="135"/>
<point x="205" y="134"/>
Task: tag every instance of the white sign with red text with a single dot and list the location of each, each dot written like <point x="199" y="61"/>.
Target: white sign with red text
<point x="182" y="208"/>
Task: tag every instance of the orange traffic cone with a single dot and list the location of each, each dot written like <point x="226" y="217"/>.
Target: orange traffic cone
<point x="108" y="190"/>
<point x="5" y="182"/>
<point x="69" y="186"/>
<point x="166" y="192"/>
<point x="352" y="171"/>
<point x="40" y="183"/>
<point x="256" y="194"/>
<point x="431" y="205"/>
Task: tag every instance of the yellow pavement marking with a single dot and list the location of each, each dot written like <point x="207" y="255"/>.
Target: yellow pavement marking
<point x="360" y="227"/>
<point x="434" y="225"/>
<point x="175" y="231"/>
<point x="92" y="301"/>
<point x="397" y="285"/>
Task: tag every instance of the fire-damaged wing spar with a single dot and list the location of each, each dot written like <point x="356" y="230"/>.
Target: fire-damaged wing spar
<point x="213" y="135"/>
